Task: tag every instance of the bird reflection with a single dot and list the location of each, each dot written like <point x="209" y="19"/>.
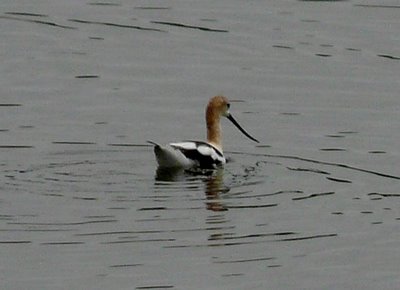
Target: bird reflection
<point x="214" y="187"/>
<point x="170" y="174"/>
<point x="213" y="181"/>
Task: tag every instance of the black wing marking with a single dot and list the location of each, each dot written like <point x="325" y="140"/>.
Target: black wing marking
<point x="203" y="161"/>
<point x="198" y="143"/>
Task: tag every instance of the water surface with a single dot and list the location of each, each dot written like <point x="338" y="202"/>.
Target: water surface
<point x="83" y="86"/>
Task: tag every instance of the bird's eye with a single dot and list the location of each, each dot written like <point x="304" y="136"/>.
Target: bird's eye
<point x="228" y="105"/>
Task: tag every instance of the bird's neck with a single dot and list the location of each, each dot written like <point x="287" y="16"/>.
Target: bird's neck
<point x="214" y="132"/>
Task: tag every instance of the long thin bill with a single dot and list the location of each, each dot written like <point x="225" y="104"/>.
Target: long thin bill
<point x="230" y="117"/>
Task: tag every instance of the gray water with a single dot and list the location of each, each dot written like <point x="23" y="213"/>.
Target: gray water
<point x="84" y="84"/>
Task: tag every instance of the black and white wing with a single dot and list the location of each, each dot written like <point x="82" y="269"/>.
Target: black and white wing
<point x="202" y="154"/>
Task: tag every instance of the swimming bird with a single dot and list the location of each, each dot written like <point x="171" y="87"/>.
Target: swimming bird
<point x="200" y="154"/>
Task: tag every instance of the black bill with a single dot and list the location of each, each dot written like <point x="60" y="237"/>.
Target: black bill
<point x="240" y="128"/>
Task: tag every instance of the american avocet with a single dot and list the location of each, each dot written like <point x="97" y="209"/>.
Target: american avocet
<point x="188" y="154"/>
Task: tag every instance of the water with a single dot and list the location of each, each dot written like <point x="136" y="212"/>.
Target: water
<point x="84" y="85"/>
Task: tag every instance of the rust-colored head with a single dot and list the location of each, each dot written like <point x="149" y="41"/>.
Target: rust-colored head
<point x="219" y="106"/>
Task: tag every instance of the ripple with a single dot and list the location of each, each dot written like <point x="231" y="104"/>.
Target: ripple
<point x="155" y="287"/>
<point x="388" y="56"/>
<point x="332" y="149"/>
<point x="103" y="4"/>
<point x="339" y="180"/>
<point x="66" y="243"/>
<point x="253" y="206"/>
<point x="244" y="260"/>
<point x="308" y="160"/>
<point x="313" y="195"/>
<point x="87" y="76"/>
<point x="312" y="170"/>
<point x="377" y="6"/>
<point x="117" y="25"/>
<point x="2" y="242"/>
<point x="152" y="7"/>
<point x="202" y="28"/>
<point x="384" y="194"/>
<point x="126" y="265"/>
<point x="47" y="23"/>
<point x="312" y="237"/>
<point x="10" y="105"/>
<point x="26" y="14"/>
<point x="16" y="146"/>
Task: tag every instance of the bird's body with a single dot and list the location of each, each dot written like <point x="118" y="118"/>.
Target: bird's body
<point x="189" y="154"/>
